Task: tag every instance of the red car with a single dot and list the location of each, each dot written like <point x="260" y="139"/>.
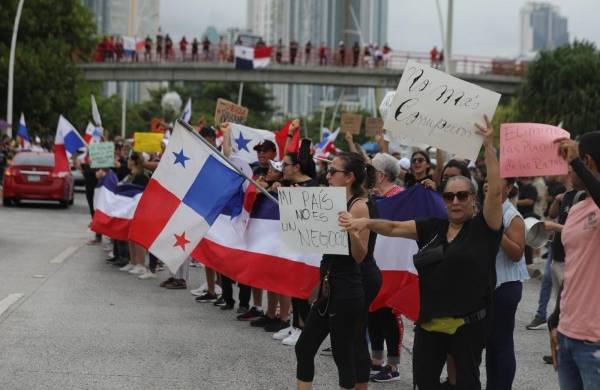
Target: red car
<point x="33" y="176"/>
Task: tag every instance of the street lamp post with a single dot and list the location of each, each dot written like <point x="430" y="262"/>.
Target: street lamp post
<point x="11" y="69"/>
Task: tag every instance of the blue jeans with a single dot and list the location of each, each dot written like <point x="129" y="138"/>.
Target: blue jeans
<point x="578" y="364"/>
<point x="500" y="362"/>
<point x="546" y="288"/>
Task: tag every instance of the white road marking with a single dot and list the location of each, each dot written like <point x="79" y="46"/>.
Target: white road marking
<point x="62" y="256"/>
<point x="9" y="301"/>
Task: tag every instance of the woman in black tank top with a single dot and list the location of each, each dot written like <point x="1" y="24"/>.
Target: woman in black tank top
<point x="348" y="285"/>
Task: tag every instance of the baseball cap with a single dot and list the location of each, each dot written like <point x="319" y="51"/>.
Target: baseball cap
<point x="404" y="163"/>
<point x="265" y="146"/>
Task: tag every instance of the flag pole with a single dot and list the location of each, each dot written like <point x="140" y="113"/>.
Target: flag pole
<point x="226" y="159"/>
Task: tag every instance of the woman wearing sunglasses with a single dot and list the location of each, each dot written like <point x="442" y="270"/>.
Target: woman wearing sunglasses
<point x="456" y="266"/>
<point x="420" y="164"/>
<point x="348" y="285"/>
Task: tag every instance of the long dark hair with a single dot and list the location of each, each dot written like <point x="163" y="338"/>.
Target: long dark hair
<point x="364" y="174"/>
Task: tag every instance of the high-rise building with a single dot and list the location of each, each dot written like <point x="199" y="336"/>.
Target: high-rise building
<point x="542" y="27"/>
<point x="131" y="18"/>
<point x="328" y="21"/>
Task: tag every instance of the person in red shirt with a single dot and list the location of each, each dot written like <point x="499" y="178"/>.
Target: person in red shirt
<point x="323" y="54"/>
<point x="110" y="49"/>
<point x="183" y="47"/>
<point x="433" y="55"/>
<point x="148" y="48"/>
<point x="119" y="49"/>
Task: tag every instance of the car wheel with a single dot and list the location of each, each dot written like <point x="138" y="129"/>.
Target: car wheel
<point x="6" y="202"/>
<point x="72" y="200"/>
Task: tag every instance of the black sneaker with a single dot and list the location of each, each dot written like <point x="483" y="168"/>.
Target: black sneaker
<point x="206" y="298"/>
<point x="375" y="369"/>
<point x="251" y="314"/>
<point x="226" y="306"/>
<point x="386" y="375"/>
<point x="167" y="282"/>
<point x="548" y="359"/>
<point x="327" y="351"/>
<point x="220" y="302"/>
<point x="277" y="325"/>
<point x="261" y="321"/>
<point x="537" y="323"/>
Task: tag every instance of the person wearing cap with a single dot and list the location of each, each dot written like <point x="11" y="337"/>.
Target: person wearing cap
<point x="265" y="151"/>
<point x="274" y="176"/>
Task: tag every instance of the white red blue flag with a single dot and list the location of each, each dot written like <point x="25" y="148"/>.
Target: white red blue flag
<point x="327" y="144"/>
<point x="394" y="255"/>
<point x="23" y="134"/>
<point x="114" y="206"/>
<point x="92" y="133"/>
<point x="186" y="114"/>
<point x="66" y="143"/>
<point x="186" y="194"/>
<point x="257" y="258"/>
<point x="247" y="57"/>
<point x="244" y="139"/>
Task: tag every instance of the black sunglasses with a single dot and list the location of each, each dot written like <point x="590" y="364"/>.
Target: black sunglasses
<point x="460" y="195"/>
<point x="332" y="171"/>
<point x="418" y="160"/>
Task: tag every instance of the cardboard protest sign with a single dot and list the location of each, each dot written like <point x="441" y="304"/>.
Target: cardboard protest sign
<point x="309" y="219"/>
<point x="437" y="109"/>
<point x="147" y="142"/>
<point x="227" y="111"/>
<point x="350" y="123"/>
<point x="373" y="126"/>
<point x="102" y="154"/>
<point x="527" y="149"/>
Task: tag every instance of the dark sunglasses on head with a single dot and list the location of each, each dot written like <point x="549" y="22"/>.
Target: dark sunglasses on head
<point x="333" y="171"/>
<point x="418" y="160"/>
<point x="460" y="195"/>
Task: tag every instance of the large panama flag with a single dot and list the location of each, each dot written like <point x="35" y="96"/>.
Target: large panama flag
<point x="187" y="192"/>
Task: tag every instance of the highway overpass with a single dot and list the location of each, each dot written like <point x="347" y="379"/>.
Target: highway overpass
<point x="275" y="74"/>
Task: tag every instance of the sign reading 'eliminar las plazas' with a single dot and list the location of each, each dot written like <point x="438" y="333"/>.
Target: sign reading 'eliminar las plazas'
<point x="437" y="109"/>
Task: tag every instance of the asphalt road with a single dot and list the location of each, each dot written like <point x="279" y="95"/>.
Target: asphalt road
<point x="68" y="320"/>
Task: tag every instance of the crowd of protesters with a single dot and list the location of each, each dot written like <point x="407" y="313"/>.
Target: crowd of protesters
<point x="163" y="48"/>
<point x="471" y="266"/>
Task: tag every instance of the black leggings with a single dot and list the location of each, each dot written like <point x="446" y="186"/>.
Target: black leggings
<point x="244" y="293"/>
<point x="344" y="319"/>
<point x="431" y="349"/>
<point x="300" y="310"/>
<point x="385" y="326"/>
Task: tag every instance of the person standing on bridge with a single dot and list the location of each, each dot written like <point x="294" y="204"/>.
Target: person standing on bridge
<point x="148" y="48"/>
<point x="355" y="54"/>
<point x="433" y="56"/>
<point x="293" y="51"/>
<point x="205" y="48"/>
<point x="342" y="53"/>
<point x="386" y="55"/>
<point x="159" y="45"/>
<point x="183" y="47"/>
<point x="307" y="50"/>
<point x="279" y="51"/>
<point x="168" y="47"/>
<point x="323" y="54"/>
<point x="195" y="50"/>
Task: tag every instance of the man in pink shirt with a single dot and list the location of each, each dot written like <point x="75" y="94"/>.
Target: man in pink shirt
<point x="576" y="341"/>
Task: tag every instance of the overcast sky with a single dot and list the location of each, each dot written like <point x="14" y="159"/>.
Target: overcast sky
<point x="481" y="27"/>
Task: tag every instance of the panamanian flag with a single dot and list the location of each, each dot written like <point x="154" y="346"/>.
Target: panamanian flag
<point x="252" y="58"/>
<point x="187" y="192"/>
<point x="23" y="134"/>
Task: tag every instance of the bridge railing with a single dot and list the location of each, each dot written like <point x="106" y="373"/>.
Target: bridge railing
<point x="393" y="60"/>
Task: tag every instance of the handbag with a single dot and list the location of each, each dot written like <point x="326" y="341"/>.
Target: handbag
<point x="429" y="254"/>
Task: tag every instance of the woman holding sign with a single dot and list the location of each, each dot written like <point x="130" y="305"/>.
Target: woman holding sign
<point x="348" y="284"/>
<point x="456" y="264"/>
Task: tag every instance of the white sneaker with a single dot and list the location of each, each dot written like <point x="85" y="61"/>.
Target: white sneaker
<point x="147" y="275"/>
<point x="138" y="270"/>
<point x="200" y="290"/>
<point x="292" y="339"/>
<point x="127" y="268"/>
<point x="108" y="247"/>
<point x="283" y="333"/>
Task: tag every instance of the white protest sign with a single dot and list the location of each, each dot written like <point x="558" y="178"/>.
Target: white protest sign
<point x="309" y="219"/>
<point x="437" y="109"/>
<point x="102" y="154"/>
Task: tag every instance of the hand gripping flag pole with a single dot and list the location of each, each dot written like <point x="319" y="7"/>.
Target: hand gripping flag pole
<point x="189" y="128"/>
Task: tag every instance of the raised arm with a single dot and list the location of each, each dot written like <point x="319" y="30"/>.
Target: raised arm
<point x="226" y="129"/>
<point x="492" y="206"/>
<point x="404" y="229"/>
<point x="568" y="150"/>
<point x="440" y="160"/>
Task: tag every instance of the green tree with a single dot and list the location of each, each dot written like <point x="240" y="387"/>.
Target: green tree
<point x="563" y="85"/>
<point x="53" y="36"/>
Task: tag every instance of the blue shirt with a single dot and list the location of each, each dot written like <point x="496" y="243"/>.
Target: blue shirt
<point x="506" y="269"/>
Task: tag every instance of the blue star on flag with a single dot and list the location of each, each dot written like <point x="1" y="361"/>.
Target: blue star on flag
<point x="180" y="158"/>
<point x="242" y="143"/>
